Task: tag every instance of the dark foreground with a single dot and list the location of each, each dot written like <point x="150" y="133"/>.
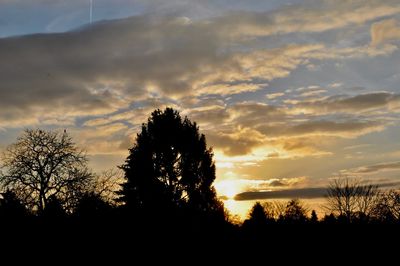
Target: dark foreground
<point x="190" y="243"/>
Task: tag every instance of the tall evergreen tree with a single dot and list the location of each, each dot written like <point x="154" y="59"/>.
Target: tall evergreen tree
<point x="170" y="167"/>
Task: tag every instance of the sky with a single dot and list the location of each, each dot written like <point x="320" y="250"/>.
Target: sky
<point x="289" y="94"/>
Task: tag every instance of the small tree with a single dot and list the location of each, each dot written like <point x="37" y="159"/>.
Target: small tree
<point x="314" y="217"/>
<point x="257" y="215"/>
<point x="295" y="212"/>
<point x="44" y="164"/>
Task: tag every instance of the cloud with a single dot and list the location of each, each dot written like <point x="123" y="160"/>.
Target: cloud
<point x="256" y="113"/>
<point x="313" y="93"/>
<point x="385" y="30"/>
<point x="233" y="185"/>
<point x="311" y="16"/>
<point x="229" y="89"/>
<point x="297" y="193"/>
<point x="277" y="183"/>
<point x="275" y="95"/>
<point x="374" y="168"/>
<point x="133" y="116"/>
<point x="347" y="129"/>
<point x="350" y="104"/>
<point x="239" y="141"/>
<point x="302" y="146"/>
<point x="240" y="128"/>
<point x="102" y="68"/>
<point x="301" y="193"/>
<point x="112" y="138"/>
<point x="209" y="115"/>
<point x="116" y="72"/>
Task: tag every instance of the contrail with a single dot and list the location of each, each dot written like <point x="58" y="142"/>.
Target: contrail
<point x="91" y="12"/>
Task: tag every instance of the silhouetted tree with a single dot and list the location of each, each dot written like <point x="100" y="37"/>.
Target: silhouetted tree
<point x="387" y="208"/>
<point x="44" y="164"/>
<point x="11" y="207"/>
<point x="170" y="167"/>
<point x="329" y="219"/>
<point x="314" y="217"/>
<point x="350" y="199"/>
<point x="295" y="212"/>
<point x="257" y="215"/>
<point x="106" y="185"/>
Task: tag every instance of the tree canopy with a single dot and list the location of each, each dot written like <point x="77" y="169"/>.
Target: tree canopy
<point x="170" y="167"/>
<point x="43" y="165"/>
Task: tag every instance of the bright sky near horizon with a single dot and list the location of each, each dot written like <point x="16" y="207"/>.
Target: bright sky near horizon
<point x="288" y="93"/>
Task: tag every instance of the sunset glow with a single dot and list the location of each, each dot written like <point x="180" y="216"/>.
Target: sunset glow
<point x="288" y="93"/>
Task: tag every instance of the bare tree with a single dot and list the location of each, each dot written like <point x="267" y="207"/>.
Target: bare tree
<point x="107" y="184"/>
<point x="348" y="198"/>
<point x="295" y="211"/>
<point x="387" y="208"/>
<point x="43" y="164"/>
<point x="368" y="197"/>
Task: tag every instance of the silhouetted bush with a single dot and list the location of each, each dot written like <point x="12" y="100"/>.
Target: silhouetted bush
<point x="92" y="206"/>
<point x="11" y="208"/>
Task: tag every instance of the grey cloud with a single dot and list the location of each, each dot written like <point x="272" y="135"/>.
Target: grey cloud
<point x="370" y="169"/>
<point x="277" y="183"/>
<point x="329" y="128"/>
<point x="275" y="121"/>
<point x="356" y="88"/>
<point x="216" y="115"/>
<point x="241" y="127"/>
<point x="301" y="193"/>
<point x="358" y="103"/>
<point x="104" y="67"/>
<point x="306" y="17"/>
<point x="85" y="68"/>
<point x="253" y="113"/>
<point x="235" y="143"/>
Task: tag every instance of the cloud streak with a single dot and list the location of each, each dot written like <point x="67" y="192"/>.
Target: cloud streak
<point x="302" y="193"/>
<point x="297" y="193"/>
<point x="349" y="104"/>
<point x="375" y="168"/>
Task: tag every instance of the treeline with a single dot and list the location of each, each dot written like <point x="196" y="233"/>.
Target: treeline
<point x="347" y="202"/>
<point x="166" y="179"/>
<point x="166" y="182"/>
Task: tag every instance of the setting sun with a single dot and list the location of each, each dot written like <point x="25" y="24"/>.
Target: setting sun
<point x="228" y="188"/>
